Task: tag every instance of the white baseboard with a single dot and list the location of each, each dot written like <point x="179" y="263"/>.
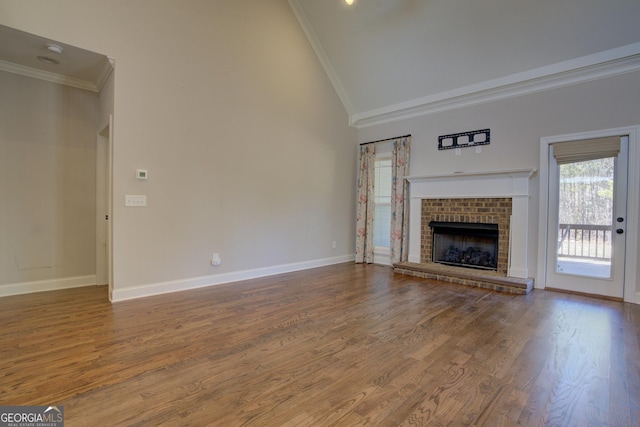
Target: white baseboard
<point x="382" y="256"/>
<point x="47" y="285"/>
<point x="219" y="279"/>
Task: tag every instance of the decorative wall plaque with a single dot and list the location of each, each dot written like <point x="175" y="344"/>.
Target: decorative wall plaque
<point x="464" y="139"/>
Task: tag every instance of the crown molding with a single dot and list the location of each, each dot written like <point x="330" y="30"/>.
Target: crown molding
<point x="321" y="54"/>
<point x="625" y="59"/>
<point x="105" y="73"/>
<point x="609" y="63"/>
<point x="59" y="78"/>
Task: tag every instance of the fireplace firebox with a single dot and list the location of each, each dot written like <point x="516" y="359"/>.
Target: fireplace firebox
<point x="465" y="244"/>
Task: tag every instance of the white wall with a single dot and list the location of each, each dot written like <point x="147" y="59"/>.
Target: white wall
<point x="517" y="124"/>
<point x="246" y="143"/>
<point x="47" y="184"/>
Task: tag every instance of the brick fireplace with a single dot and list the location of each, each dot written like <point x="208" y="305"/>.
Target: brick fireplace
<point x="470" y="210"/>
<point x="497" y="197"/>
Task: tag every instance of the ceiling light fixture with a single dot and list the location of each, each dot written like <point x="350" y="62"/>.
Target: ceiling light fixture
<point x="55" y="48"/>
<point x="349" y="2"/>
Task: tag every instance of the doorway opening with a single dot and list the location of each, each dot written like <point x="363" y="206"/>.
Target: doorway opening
<point x="104" y="156"/>
<point x="589" y="212"/>
<point x="57" y="111"/>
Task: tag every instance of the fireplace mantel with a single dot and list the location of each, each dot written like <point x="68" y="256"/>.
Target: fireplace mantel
<point x="503" y="183"/>
<point x="515" y="173"/>
<point x="479" y="184"/>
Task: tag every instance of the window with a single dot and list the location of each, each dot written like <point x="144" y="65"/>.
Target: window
<point x="382" y="200"/>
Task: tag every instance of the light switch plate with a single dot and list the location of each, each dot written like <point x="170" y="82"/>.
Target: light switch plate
<point x="135" y="200"/>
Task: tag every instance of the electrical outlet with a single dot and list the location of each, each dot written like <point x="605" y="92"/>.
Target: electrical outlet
<point x="215" y="259"/>
<point x="333" y="244"/>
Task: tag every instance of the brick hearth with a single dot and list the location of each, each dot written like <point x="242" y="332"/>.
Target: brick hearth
<point x="466" y="276"/>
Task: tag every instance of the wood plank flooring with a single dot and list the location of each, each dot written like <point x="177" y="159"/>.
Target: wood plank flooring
<point x="345" y="345"/>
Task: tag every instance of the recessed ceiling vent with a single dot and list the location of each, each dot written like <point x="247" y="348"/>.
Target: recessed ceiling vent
<point x="53" y="48"/>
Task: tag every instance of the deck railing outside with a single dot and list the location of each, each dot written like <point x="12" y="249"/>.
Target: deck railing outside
<point x="585" y="241"/>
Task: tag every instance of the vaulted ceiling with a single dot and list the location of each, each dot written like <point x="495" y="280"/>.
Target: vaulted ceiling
<point x="385" y="56"/>
<point x="389" y="58"/>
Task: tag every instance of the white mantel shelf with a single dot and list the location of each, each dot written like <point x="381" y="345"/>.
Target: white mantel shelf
<point x="528" y="173"/>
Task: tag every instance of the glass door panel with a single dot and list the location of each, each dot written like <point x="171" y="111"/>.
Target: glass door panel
<point x="585" y="216"/>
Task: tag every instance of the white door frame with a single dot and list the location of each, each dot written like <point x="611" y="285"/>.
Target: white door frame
<point x="104" y="197"/>
<point x="631" y="294"/>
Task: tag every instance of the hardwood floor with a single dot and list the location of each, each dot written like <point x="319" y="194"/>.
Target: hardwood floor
<point x="345" y="345"/>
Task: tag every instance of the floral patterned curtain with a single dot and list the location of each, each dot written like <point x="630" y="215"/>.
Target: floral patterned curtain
<point x="365" y="206"/>
<point x="399" y="247"/>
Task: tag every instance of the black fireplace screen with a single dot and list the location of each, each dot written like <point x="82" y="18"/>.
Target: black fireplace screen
<point x="465" y="244"/>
